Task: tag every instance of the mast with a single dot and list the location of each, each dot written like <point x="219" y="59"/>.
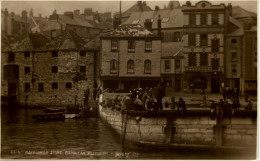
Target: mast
<point x="120" y="11"/>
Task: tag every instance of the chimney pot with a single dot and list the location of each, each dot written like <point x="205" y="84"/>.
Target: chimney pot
<point x="159" y="26"/>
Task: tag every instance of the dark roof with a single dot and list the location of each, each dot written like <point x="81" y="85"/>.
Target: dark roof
<point x="240" y="28"/>
<point x="136" y="8"/>
<point x="172" y="49"/>
<point x="93" y="44"/>
<point x="129" y="30"/>
<point x="171" y="18"/>
<point x="29" y="43"/>
<point x="18" y="18"/>
<point x="238" y="12"/>
<point x="68" y="40"/>
<point x="75" y="21"/>
<point x="101" y="25"/>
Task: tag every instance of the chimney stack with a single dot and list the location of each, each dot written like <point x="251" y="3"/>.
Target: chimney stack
<point x="148" y="24"/>
<point x="40" y="15"/>
<point x="31" y="12"/>
<point x="24" y="15"/>
<point x="159" y="26"/>
<point x="116" y="23"/>
<point x="5" y="20"/>
<point x="77" y="12"/>
<point x="230" y="9"/>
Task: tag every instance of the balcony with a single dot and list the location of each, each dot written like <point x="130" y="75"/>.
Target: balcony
<point x="202" y="69"/>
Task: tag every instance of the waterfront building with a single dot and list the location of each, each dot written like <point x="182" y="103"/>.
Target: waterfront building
<point x="130" y="58"/>
<point x="40" y="72"/>
<point x="241" y="52"/>
<point x="204" y="46"/>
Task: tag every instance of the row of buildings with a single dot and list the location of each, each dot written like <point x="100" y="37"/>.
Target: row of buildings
<point x="189" y="48"/>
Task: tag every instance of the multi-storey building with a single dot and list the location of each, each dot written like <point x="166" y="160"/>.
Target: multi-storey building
<point x="204" y="46"/>
<point x="130" y="58"/>
<point x="58" y="23"/>
<point x="55" y="73"/>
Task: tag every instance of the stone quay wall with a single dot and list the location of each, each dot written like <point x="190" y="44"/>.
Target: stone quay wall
<point x="195" y="127"/>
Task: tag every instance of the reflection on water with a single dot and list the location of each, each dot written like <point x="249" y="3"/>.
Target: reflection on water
<point x="23" y="137"/>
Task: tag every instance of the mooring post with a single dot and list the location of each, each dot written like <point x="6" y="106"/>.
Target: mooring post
<point x="169" y="128"/>
<point x="219" y="132"/>
<point x="204" y="101"/>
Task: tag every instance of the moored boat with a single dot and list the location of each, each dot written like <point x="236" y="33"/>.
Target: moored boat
<point x="49" y="116"/>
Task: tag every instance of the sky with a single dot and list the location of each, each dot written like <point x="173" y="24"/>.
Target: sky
<point x="47" y="7"/>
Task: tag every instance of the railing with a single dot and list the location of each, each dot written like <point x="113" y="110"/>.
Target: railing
<point x="202" y="69"/>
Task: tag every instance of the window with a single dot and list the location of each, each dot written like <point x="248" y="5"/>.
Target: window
<point x="54" y="69"/>
<point x="234" y="69"/>
<point x="177" y="64"/>
<point x="130" y="66"/>
<point x="82" y="53"/>
<point x="11" y="57"/>
<point x="204" y="40"/>
<point x="26" y="54"/>
<point x="176" y="37"/>
<point x="26" y="87"/>
<point x="215" y="45"/>
<point x="68" y="85"/>
<point x="54" y="85"/>
<point x="82" y="69"/>
<point x="215" y="63"/>
<point x="215" y="19"/>
<point x="148" y="46"/>
<point x="53" y="33"/>
<point x="114" y="45"/>
<point x="113" y="66"/>
<point x="167" y="65"/>
<point x="192" y="40"/>
<point x="233" y="41"/>
<point x="27" y="70"/>
<point x="54" y="53"/>
<point x="204" y="59"/>
<point x="203" y="19"/>
<point x="147" y="66"/>
<point x="234" y="55"/>
<point x="40" y="87"/>
<point x="192" y="59"/>
<point x="192" y="19"/>
<point x="131" y="46"/>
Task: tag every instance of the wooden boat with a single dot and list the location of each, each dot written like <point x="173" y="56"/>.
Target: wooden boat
<point x="49" y="110"/>
<point x="71" y="115"/>
<point x="49" y="116"/>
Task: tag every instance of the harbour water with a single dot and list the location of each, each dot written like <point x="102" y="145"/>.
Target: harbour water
<point x="24" y="138"/>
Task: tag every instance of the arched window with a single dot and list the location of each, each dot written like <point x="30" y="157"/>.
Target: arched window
<point x="113" y="66"/>
<point x="147" y="66"/>
<point x="130" y="66"/>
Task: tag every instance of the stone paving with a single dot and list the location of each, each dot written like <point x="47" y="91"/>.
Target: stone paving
<point x="197" y="99"/>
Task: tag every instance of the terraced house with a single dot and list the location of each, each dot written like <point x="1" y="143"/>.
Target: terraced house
<point x="130" y="58"/>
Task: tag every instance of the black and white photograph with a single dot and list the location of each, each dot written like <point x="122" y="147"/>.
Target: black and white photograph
<point x="129" y="80"/>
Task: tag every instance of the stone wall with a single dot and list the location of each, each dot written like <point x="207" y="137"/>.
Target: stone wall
<point x="194" y="128"/>
<point x="40" y="64"/>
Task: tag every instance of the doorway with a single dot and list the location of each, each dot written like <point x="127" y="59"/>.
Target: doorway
<point x="215" y="85"/>
<point x="177" y="84"/>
